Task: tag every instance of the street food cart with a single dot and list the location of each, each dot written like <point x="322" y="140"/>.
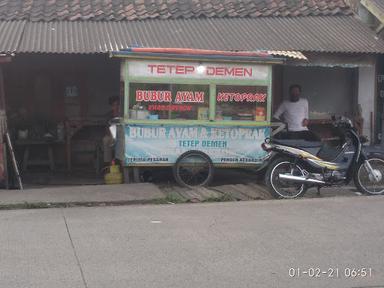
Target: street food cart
<point x="194" y="110"/>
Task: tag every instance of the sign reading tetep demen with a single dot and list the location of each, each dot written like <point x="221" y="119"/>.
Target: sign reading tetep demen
<point x="165" y="69"/>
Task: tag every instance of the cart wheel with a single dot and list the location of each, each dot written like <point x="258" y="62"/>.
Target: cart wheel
<point x="193" y="169"/>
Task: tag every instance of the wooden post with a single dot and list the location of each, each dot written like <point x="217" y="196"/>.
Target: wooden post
<point x="127" y="177"/>
<point x="3" y="117"/>
<point x="3" y="127"/>
<point x="14" y="163"/>
<point x="68" y="146"/>
<point x="136" y="174"/>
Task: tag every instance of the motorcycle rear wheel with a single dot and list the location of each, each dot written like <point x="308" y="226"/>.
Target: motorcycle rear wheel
<point x="365" y="182"/>
<point x="282" y="189"/>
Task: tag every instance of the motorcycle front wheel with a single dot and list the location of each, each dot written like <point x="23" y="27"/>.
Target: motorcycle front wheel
<point x="283" y="189"/>
<point x="368" y="183"/>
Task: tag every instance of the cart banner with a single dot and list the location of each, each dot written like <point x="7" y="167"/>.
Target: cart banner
<point x="155" y="144"/>
<point x="196" y="70"/>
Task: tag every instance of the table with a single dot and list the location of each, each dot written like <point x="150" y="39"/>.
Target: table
<point x="73" y="126"/>
<point x="30" y="144"/>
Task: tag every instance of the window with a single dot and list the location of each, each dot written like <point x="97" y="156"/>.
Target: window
<point x="168" y="101"/>
<point x="244" y="103"/>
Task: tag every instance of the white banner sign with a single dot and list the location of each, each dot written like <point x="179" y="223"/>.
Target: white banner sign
<point x="165" y="69"/>
<point x="151" y="144"/>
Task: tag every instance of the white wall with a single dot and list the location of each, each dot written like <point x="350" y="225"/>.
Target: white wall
<point x="366" y="95"/>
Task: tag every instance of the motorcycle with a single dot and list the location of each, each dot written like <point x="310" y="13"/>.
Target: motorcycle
<point x="295" y="165"/>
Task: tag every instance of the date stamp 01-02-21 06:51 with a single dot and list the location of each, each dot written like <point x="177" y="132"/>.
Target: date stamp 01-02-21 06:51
<point x="331" y="272"/>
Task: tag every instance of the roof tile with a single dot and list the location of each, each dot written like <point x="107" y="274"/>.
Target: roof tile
<point x="116" y="10"/>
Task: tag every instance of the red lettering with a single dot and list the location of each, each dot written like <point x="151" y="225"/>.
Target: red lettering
<point x="151" y="66"/>
<point x="188" y="96"/>
<point x="239" y="72"/>
<point x="153" y="96"/>
<point x="189" y="69"/>
<point x="210" y="71"/>
<point x="170" y="108"/>
<point x="261" y="97"/>
<point x="241" y="97"/>
<point x="168" y="96"/>
<point x="199" y="97"/>
<point x="160" y="69"/>
<point x="170" y="68"/>
<point x="139" y="95"/>
<point x="220" y="71"/>
<point x="178" y="97"/>
<point x="180" y="69"/>
<point x="248" y="72"/>
<point x="229" y="71"/>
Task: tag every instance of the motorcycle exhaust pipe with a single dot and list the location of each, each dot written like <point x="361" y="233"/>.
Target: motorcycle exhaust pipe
<point x="300" y="179"/>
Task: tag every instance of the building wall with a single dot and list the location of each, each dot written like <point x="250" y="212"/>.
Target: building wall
<point x="40" y="82"/>
<point x="379" y="119"/>
<point x="367" y="92"/>
<point x="328" y="90"/>
<point x="3" y="168"/>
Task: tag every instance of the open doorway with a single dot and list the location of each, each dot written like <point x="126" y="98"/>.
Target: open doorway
<point x="57" y="109"/>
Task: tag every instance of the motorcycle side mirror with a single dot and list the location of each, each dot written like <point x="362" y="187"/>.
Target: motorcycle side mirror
<point x="363" y="139"/>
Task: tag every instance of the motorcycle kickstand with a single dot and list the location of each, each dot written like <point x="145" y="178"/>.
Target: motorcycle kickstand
<point x="318" y="191"/>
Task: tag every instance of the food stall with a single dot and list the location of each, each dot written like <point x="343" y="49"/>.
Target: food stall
<point x="194" y="110"/>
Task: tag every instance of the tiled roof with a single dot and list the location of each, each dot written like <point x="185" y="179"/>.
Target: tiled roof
<point x="117" y="10"/>
<point x="343" y="34"/>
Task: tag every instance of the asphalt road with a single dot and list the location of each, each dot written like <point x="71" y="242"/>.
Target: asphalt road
<point x="234" y="244"/>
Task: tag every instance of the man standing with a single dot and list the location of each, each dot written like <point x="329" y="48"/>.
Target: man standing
<point x="294" y="112"/>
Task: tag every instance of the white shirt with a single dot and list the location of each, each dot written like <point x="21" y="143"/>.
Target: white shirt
<point x="293" y="113"/>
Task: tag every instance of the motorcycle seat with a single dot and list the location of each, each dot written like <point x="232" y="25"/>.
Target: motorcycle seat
<point x="298" y="143"/>
<point x="312" y="147"/>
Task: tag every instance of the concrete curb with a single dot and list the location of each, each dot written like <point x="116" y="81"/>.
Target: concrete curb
<point x="46" y="205"/>
<point x="86" y="195"/>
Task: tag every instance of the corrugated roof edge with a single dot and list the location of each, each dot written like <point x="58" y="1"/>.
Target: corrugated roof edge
<point x="173" y="56"/>
<point x="350" y="37"/>
<point x="11" y="33"/>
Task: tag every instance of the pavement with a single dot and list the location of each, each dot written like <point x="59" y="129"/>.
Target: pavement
<point x="229" y="244"/>
<point x="228" y="185"/>
<point x="86" y="194"/>
<point x="144" y="193"/>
